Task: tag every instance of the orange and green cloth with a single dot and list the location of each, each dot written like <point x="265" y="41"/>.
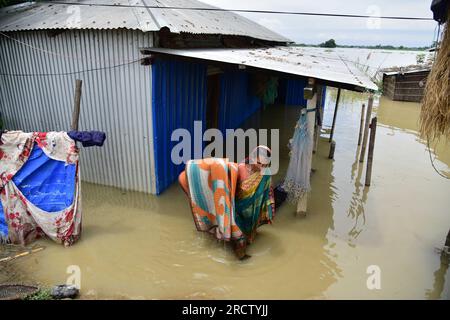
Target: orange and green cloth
<point x="224" y="206"/>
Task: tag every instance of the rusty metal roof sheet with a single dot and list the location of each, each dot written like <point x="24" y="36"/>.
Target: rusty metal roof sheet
<point x="306" y="62"/>
<point x="131" y="14"/>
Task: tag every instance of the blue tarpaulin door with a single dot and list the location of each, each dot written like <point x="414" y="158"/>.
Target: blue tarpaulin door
<point x="237" y="103"/>
<point x="178" y="99"/>
<point x="294" y="92"/>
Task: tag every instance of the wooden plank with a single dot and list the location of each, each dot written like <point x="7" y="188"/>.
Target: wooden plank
<point x="373" y="131"/>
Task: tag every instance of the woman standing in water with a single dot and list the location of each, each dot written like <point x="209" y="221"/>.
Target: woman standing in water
<point x="230" y="200"/>
<point x="255" y="204"/>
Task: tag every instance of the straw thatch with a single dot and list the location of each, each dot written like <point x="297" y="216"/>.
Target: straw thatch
<point x="435" y="114"/>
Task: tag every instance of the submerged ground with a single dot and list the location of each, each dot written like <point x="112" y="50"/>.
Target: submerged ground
<point x="140" y="246"/>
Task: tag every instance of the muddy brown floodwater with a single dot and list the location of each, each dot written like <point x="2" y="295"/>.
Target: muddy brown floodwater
<point x="141" y="246"/>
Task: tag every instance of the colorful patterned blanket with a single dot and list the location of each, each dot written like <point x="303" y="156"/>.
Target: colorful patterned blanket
<point x="211" y="184"/>
<point x="39" y="187"/>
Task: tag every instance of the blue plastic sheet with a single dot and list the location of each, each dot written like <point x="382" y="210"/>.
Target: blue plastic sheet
<point x="3" y="225"/>
<point x="48" y="184"/>
<point x="178" y="99"/>
<point x="237" y="103"/>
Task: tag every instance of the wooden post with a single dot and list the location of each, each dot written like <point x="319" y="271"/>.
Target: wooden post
<point x="373" y="131"/>
<point x="447" y="241"/>
<point x="335" y="114"/>
<point x="361" y="124"/>
<point x="332" y="148"/>
<point x="318" y="118"/>
<point x="76" y="105"/>
<point x="366" y="128"/>
<point x="302" y="203"/>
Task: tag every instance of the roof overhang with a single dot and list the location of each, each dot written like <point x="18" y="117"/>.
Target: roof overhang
<point x="327" y="68"/>
<point x="143" y="15"/>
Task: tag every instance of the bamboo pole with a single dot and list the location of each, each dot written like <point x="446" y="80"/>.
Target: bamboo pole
<point x="23" y="254"/>
<point x="373" y="131"/>
<point x="76" y="105"/>
<point x="366" y="128"/>
<point x="361" y="125"/>
<point x="335" y="114"/>
<point x="332" y="148"/>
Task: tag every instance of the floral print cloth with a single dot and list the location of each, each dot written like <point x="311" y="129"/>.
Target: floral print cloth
<point x="25" y="220"/>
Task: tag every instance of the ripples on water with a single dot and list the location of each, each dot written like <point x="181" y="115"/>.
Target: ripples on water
<point x="140" y="246"/>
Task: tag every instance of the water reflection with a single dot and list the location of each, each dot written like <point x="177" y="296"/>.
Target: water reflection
<point x="358" y="200"/>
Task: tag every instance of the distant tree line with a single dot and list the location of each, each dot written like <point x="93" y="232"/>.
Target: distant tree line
<point x="332" y="44"/>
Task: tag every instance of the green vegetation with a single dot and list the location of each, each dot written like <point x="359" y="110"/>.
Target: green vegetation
<point x="42" y="294"/>
<point x="328" y="44"/>
<point x="420" y="58"/>
<point x="332" y="44"/>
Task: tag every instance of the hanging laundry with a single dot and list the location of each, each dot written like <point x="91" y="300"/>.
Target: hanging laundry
<point x="88" y="138"/>
<point x="297" y="180"/>
<point x="39" y="187"/>
<point x="229" y="200"/>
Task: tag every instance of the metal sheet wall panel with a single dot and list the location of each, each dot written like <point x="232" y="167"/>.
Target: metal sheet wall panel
<point x="179" y="99"/>
<point x="294" y="92"/>
<point x="115" y="100"/>
<point x="236" y="101"/>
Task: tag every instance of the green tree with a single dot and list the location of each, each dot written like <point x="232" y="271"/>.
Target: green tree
<point x="420" y="58"/>
<point x="328" y="44"/>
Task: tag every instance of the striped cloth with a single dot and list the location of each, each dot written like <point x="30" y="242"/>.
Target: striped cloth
<point x="212" y="187"/>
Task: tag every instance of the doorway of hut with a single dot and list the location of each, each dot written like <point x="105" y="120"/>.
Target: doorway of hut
<point x="185" y="92"/>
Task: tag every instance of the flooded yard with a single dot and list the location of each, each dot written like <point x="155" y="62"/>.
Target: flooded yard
<point x="137" y="246"/>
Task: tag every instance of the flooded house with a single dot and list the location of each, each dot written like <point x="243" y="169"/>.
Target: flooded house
<point x="405" y="84"/>
<point x="147" y="71"/>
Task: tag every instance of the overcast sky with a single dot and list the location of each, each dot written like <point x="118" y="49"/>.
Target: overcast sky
<point x="351" y="31"/>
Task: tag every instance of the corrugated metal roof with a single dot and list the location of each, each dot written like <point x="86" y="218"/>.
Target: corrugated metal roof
<point x="406" y="70"/>
<point x="44" y="16"/>
<point x="328" y="66"/>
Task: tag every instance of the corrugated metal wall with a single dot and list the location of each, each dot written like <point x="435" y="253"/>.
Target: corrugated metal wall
<point x="179" y="99"/>
<point x="114" y="100"/>
<point x="294" y="92"/>
<point x="236" y="101"/>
